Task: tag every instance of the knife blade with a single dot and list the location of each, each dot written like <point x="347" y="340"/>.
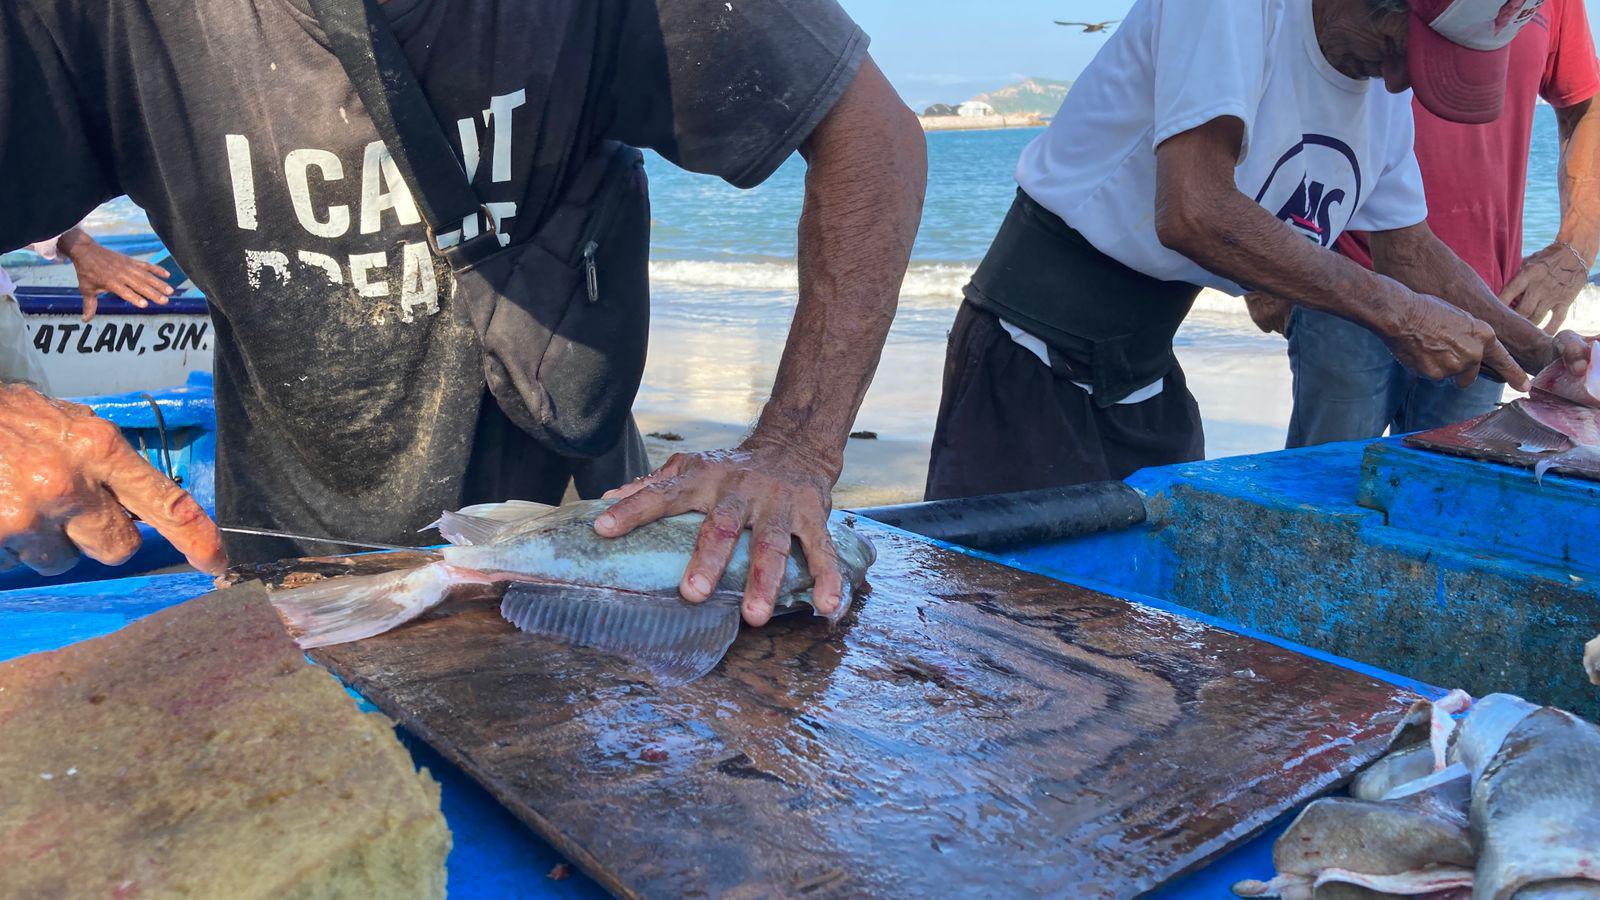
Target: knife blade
<point x="312" y="539"/>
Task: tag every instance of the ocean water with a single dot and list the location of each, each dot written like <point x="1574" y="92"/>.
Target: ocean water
<point x="724" y="284"/>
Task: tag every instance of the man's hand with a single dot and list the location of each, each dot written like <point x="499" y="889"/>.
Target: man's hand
<point x="67" y="482"/>
<point x="1271" y="314"/>
<point x="1547" y="285"/>
<point x="1438" y="341"/>
<point x="102" y="270"/>
<point x="780" y="494"/>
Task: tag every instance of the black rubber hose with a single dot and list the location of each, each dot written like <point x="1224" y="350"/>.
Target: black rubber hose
<point x="1005" y="521"/>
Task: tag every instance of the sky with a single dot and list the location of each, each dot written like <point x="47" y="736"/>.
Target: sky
<point x="945" y="51"/>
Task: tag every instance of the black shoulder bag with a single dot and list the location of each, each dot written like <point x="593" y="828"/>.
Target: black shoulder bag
<point x="564" y="316"/>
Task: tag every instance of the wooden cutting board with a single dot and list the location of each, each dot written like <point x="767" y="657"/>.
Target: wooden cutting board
<point x="969" y="729"/>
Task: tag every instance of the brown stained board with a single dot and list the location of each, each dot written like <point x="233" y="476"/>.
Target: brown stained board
<point x="969" y="729"/>
<point x="1452" y="439"/>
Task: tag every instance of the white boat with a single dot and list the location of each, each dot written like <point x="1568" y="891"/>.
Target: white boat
<point x="124" y="348"/>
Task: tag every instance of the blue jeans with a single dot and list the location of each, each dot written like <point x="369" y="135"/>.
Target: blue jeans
<point x="1348" y="387"/>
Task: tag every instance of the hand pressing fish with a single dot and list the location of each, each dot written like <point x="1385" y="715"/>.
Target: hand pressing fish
<point x="1511" y="810"/>
<point x="567" y="583"/>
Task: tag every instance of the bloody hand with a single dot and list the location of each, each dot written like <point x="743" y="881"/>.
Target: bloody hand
<point x="67" y="482"/>
<point x="778" y="492"/>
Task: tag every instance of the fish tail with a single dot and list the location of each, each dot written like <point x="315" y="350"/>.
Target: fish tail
<point x="340" y="610"/>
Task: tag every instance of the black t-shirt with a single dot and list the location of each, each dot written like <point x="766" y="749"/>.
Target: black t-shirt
<point x="347" y="382"/>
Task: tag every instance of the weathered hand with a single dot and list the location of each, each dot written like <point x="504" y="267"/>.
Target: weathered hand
<point x="101" y="270"/>
<point x="1271" y="314"/>
<point x="1438" y="341"/>
<point x="778" y="492"/>
<point x="1547" y="285"/>
<point x="67" y="481"/>
<point x="1573" y="349"/>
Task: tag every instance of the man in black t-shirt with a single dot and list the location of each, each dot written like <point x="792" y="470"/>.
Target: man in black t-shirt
<point x="343" y="404"/>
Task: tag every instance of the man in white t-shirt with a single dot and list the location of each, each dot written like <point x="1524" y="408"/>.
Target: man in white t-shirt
<point x="1225" y="144"/>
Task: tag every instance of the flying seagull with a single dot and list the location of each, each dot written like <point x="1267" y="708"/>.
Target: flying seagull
<point x="1091" y="27"/>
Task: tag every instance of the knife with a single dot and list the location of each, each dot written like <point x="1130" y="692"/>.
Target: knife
<point x="368" y="545"/>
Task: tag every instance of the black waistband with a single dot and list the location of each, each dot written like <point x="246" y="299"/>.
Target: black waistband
<point x="1110" y="326"/>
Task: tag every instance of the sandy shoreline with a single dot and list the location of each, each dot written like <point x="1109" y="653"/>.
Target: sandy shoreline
<point x="876" y="472"/>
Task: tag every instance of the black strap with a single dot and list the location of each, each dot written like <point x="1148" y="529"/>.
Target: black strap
<point x="359" y="34"/>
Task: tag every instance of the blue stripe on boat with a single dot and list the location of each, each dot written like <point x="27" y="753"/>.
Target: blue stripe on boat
<point x="45" y="300"/>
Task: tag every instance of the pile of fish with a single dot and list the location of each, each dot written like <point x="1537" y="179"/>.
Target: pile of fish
<point x="1560" y="419"/>
<point x="1507" y="805"/>
<point x="565" y="582"/>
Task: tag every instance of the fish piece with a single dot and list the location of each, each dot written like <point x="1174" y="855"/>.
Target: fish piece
<point x="1566" y="889"/>
<point x="1434" y="882"/>
<point x="1557" y="380"/>
<point x="1591" y="660"/>
<point x="673" y="639"/>
<point x="1392" y="771"/>
<point x="1579" y="424"/>
<point x="557" y="548"/>
<point x="1511" y="424"/>
<point x="1485" y="728"/>
<point x="1370" y="837"/>
<point x="1536" y="808"/>
<point x="1447" y="792"/>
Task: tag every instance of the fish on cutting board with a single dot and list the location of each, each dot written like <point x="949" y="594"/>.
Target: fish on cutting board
<point x="570" y="584"/>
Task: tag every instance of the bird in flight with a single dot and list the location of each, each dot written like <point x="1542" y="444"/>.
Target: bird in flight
<point x="1090" y="27"/>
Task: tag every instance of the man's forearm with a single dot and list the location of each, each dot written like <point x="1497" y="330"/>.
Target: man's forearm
<point x="864" y="189"/>
<point x="1416" y="258"/>
<point x="1579" y="179"/>
<point x="1237" y="239"/>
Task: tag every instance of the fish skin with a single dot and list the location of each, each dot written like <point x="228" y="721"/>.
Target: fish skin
<point x="562" y="546"/>
<point x="1536" y="808"/>
<point x="1370" y="837"/>
<point x="1481" y="733"/>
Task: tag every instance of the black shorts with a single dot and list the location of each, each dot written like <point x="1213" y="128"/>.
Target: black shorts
<point x="1008" y="423"/>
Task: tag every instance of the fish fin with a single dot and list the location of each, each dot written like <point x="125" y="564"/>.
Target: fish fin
<point x="1510" y="425"/>
<point x="340" y="610"/>
<point x="674" y="640"/>
<point x="1575" y="455"/>
<point x="484" y="523"/>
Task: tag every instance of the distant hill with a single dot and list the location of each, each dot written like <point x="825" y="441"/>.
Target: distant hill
<point x="1032" y="95"/>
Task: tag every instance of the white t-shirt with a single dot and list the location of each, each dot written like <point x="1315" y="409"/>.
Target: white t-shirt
<point x="1322" y="151"/>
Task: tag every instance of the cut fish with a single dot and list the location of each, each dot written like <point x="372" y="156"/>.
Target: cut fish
<point x="1536" y="809"/>
<point x="1558" y="381"/>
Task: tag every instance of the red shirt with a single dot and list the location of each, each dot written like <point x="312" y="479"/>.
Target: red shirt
<point x="1476" y="176"/>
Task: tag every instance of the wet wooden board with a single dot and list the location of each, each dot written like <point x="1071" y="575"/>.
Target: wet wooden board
<point x="969" y="729"/>
<point x="1453" y="440"/>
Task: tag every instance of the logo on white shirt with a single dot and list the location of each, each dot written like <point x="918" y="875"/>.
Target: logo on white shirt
<point x="1314" y="188"/>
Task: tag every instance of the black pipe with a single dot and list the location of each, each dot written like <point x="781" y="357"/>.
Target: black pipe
<point x="1004" y="521"/>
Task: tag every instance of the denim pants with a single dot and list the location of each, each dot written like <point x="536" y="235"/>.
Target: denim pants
<point x="1348" y="387"/>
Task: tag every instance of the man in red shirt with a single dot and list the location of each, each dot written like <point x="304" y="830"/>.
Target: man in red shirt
<point x="1346" y="384"/>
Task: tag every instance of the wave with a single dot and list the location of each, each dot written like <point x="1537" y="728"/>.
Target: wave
<point x="926" y="283"/>
<point x="1223" y="308"/>
<point x="939" y="284"/>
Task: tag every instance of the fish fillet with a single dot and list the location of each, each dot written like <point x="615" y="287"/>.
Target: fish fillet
<point x="1536" y="809"/>
<point x="1557" y="380"/>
